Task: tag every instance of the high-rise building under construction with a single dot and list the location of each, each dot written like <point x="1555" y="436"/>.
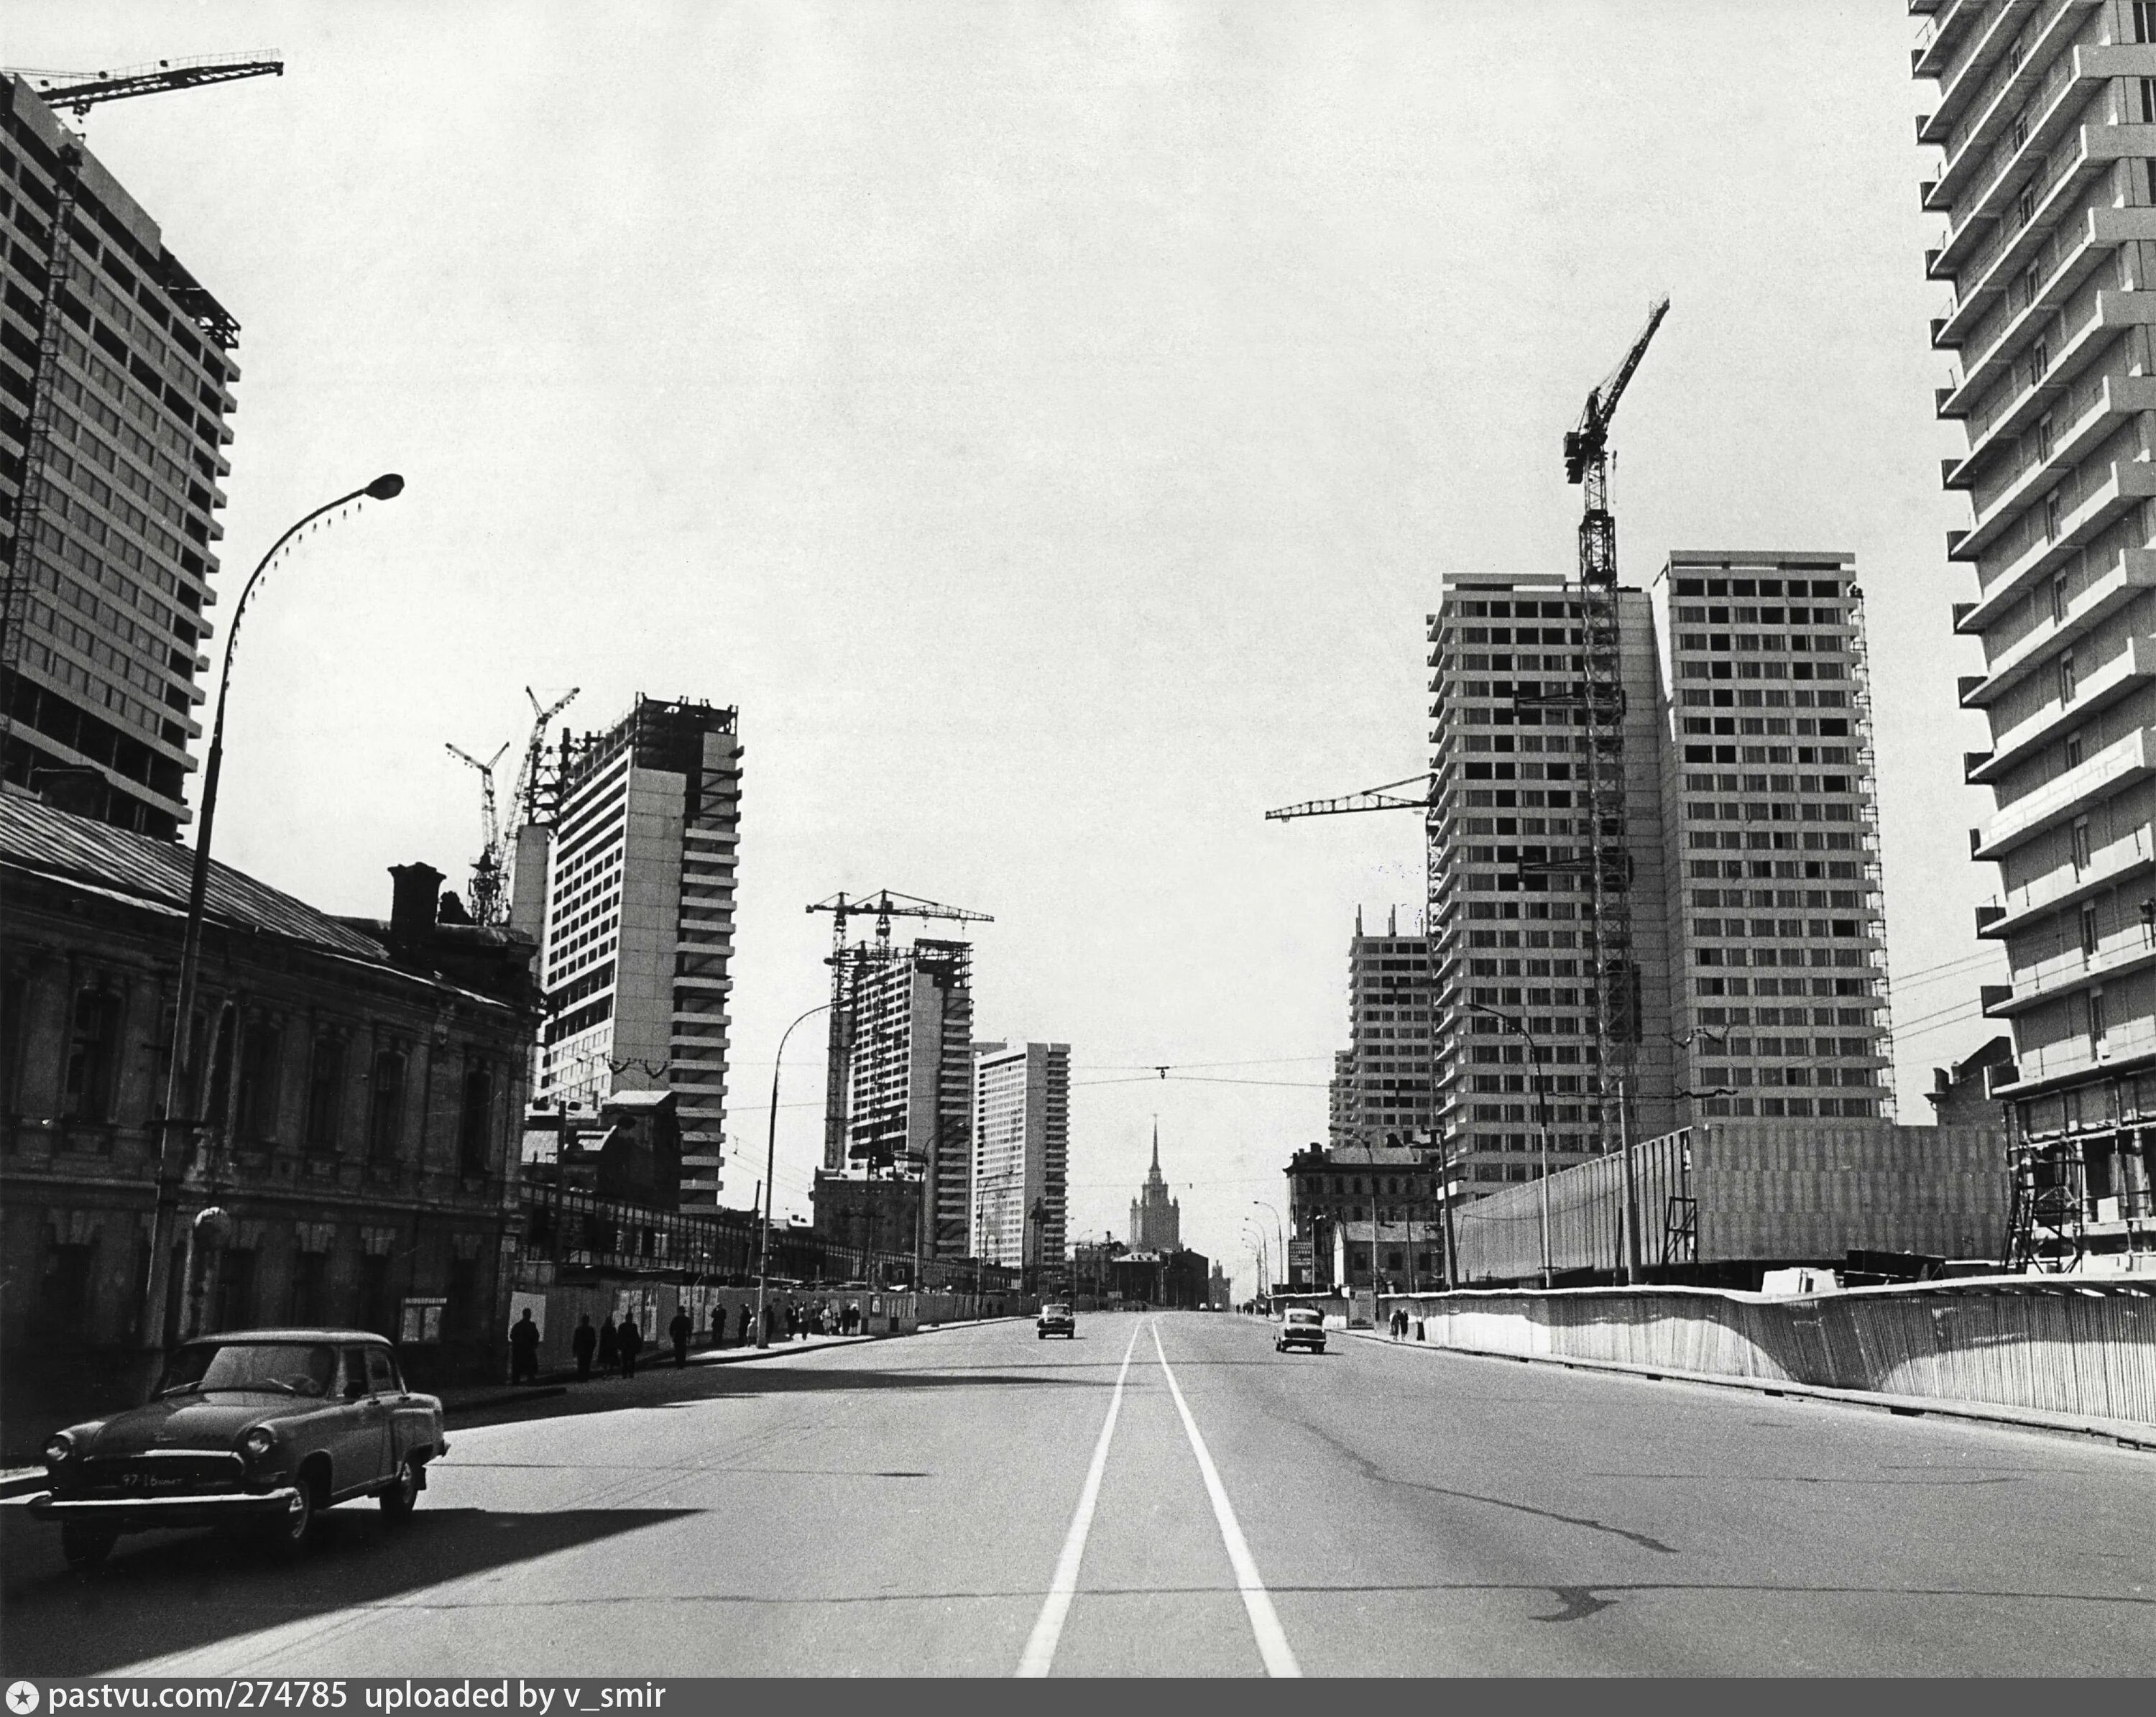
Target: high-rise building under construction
<point x="2044" y="117"/>
<point x="637" y="947"/>
<point x="1772" y="805"/>
<point x="910" y="1078"/>
<point x="1382" y="1083"/>
<point x="115" y="380"/>
<point x="1511" y="925"/>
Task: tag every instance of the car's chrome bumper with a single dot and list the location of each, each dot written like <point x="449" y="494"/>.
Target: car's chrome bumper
<point x="141" y="1513"/>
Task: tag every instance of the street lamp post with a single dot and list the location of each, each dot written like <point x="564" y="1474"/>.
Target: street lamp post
<point x="770" y="1167"/>
<point x="158" y="1288"/>
<point x="1279" y="1233"/>
<point x="1542" y="1116"/>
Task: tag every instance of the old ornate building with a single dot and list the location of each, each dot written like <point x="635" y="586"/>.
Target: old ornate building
<point x="352" y="1112"/>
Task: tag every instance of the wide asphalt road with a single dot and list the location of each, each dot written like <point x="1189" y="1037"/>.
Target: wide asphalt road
<point x="948" y="1504"/>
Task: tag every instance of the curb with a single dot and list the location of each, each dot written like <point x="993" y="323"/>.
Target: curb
<point x="2127" y="1433"/>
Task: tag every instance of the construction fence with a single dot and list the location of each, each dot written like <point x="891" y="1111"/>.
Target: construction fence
<point x="2086" y="1350"/>
<point x="556" y="1307"/>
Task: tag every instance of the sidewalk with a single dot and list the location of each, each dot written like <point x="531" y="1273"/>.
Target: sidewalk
<point x="467" y="1400"/>
<point x="2125" y="1432"/>
<point x="471" y="1397"/>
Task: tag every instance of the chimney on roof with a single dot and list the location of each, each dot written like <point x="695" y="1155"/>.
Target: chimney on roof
<point x="415" y="902"/>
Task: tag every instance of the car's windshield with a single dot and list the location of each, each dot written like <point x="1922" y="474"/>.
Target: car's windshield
<point x="280" y="1367"/>
<point x="1056" y="1311"/>
<point x="1302" y="1318"/>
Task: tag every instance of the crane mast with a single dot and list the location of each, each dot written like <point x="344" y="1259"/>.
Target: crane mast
<point x="846" y="963"/>
<point x="1601" y="709"/>
<point x="488" y="904"/>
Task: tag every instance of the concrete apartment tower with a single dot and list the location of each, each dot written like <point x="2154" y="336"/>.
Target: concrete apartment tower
<point x="1772" y="811"/>
<point x="1383" y="1084"/>
<point x="1021" y="1148"/>
<point x="637" y="949"/>
<point x="910" y="1082"/>
<point x="1511" y="930"/>
<point x="1156" y="1219"/>
<point x="112" y="432"/>
<point x="2045" y="118"/>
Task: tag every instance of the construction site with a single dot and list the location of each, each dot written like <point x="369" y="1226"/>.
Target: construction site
<point x="1654" y="905"/>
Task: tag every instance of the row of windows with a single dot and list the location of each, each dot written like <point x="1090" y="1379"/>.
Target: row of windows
<point x="1705" y="986"/>
<point x="95" y="1044"/>
<point x="1517" y="609"/>
<point x="1761" y="643"/>
<point x="1777" y="956"/>
<point x="1779" y="1048"/>
<point x="1711" y="587"/>
<point x="1788" y="929"/>
<point x="1740" y="1076"/>
<point x="1816" y="898"/>
<point x="1523" y="634"/>
<point x="1707" y="668"/>
<point x="1810" y="870"/>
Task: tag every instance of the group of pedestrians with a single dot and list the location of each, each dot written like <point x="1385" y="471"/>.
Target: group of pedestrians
<point x="1401" y="1324"/>
<point x="612" y="1347"/>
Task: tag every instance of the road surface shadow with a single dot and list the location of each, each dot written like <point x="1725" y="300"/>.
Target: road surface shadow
<point x="673" y="1388"/>
<point x="165" y="1592"/>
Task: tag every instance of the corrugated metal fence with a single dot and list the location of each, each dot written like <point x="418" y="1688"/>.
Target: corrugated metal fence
<point x="2086" y="1348"/>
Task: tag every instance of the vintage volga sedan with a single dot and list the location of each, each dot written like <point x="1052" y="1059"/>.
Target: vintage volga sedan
<point x="261" y="1429"/>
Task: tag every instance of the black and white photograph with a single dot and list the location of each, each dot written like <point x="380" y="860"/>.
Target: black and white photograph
<point x="1083" y="839"/>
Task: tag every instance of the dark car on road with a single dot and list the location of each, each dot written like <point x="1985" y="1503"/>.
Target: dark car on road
<point x="261" y="1428"/>
<point x="1055" y="1320"/>
<point x="1302" y="1328"/>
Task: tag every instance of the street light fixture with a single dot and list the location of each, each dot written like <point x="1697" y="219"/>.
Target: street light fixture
<point x="770" y="1165"/>
<point x="158" y="1289"/>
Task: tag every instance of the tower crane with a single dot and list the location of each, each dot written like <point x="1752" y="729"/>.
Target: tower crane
<point x="846" y="964"/>
<point x="1599" y="695"/>
<point x="1600" y="699"/>
<point x="526" y="808"/>
<point x="77" y="92"/>
<point x="487" y="901"/>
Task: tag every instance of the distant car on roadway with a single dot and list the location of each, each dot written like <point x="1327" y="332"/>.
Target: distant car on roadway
<point x="260" y="1428"/>
<point x="1055" y="1320"/>
<point x="1300" y="1326"/>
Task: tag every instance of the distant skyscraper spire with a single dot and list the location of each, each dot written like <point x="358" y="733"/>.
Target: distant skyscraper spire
<point x="1156" y="1147"/>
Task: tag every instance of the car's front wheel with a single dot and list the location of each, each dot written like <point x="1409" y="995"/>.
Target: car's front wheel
<point x="86" y="1547"/>
<point x="291" y="1530"/>
<point x="403" y="1491"/>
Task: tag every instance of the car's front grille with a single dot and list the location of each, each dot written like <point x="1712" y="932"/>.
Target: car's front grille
<point x="159" y="1472"/>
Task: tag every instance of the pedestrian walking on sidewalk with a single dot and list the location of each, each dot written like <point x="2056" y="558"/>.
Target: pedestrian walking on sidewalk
<point x="718" y="1325"/>
<point x="524" y="1349"/>
<point x="745" y="1315"/>
<point x="582" y="1345"/>
<point x="609" y="1345"/>
<point x="628" y="1339"/>
<point x="770" y="1323"/>
<point x="679" y="1330"/>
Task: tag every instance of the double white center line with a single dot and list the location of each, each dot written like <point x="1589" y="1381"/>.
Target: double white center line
<point x="1257" y="1603"/>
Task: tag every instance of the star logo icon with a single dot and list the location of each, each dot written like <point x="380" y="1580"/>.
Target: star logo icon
<point x="23" y="1698"/>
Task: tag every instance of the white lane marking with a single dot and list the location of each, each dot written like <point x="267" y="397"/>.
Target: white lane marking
<point x="1257" y="1602"/>
<point x="1048" y="1627"/>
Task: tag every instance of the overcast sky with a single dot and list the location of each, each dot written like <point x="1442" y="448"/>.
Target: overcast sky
<point x="1049" y="425"/>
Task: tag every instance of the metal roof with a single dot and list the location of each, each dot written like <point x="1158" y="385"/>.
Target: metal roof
<point x="35" y="837"/>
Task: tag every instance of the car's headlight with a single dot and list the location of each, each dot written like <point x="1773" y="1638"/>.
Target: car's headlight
<point x="60" y="1450"/>
<point x="257" y="1444"/>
